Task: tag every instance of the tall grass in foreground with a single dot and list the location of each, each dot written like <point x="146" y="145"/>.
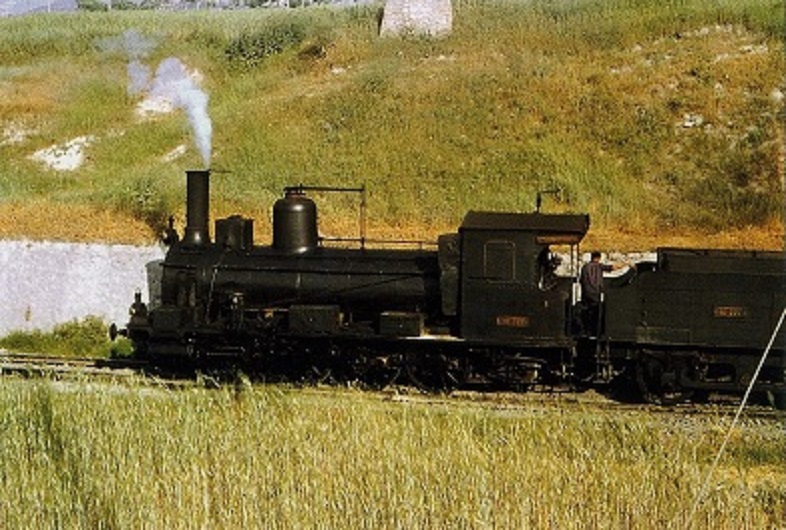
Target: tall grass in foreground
<point x="96" y="456"/>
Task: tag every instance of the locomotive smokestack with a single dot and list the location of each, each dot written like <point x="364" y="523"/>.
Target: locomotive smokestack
<point x="197" y="208"/>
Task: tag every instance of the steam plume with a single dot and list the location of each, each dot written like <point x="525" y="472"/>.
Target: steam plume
<point x="138" y="77"/>
<point x="171" y="83"/>
<point x="137" y="47"/>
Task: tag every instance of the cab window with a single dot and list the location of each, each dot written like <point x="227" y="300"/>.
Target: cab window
<point x="499" y="261"/>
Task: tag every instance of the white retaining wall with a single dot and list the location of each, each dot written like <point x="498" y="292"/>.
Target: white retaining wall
<point x="44" y="283"/>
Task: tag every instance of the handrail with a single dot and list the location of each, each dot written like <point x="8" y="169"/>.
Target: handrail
<point x="300" y="188"/>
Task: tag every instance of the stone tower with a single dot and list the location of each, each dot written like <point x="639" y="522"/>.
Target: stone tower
<point x="417" y="17"/>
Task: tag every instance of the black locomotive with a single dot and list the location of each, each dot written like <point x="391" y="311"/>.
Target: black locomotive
<point x="488" y="305"/>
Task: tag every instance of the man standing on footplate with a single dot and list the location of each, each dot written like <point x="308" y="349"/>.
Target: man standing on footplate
<point x="592" y="291"/>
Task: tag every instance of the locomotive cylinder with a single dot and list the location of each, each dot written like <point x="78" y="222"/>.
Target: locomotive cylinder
<point x="197" y="208"/>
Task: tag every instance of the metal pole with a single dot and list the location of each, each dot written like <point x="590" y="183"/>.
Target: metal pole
<point x="363" y="216"/>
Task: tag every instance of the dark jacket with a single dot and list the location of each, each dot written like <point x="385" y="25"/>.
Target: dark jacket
<point x="591" y="280"/>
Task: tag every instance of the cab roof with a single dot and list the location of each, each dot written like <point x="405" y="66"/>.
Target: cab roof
<point x="551" y="228"/>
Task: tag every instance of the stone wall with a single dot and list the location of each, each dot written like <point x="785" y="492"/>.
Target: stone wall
<point x="417" y="17"/>
<point x="43" y="283"/>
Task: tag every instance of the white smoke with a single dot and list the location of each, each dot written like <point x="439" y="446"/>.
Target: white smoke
<point x="172" y="84"/>
<point x="138" y="77"/>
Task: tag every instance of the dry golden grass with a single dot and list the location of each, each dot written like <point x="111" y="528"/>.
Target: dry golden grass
<point x="26" y="93"/>
<point x="43" y="220"/>
<point x="770" y="237"/>
<point x="88" y="455"/>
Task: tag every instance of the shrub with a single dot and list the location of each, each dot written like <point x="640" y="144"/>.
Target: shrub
<point x="250" y="50"/>
<point x="146" y="199"/>
<point x="88" y="337"/>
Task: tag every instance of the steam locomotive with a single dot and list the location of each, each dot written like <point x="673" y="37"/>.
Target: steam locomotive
<point x="488" y="305"/>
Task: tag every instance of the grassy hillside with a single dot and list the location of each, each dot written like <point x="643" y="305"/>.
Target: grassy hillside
<point x="653" y="116"/>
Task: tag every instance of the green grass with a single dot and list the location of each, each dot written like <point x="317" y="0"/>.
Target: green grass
<point x="587" y="95"/>
<point x="82" y="455"/>
<point x="88" y="337"/>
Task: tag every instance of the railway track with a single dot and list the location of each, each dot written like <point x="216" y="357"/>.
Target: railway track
<point x="544" y="402"/>
<point x="41" y="365"/>
<point x="35" y="364"/>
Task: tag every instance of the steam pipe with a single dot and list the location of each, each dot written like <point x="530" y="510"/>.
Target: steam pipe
<point x="557" y="192"/>
<point x="197" y="208"/>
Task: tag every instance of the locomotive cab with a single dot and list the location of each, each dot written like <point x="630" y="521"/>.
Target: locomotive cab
<point x="509" y="289"/>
